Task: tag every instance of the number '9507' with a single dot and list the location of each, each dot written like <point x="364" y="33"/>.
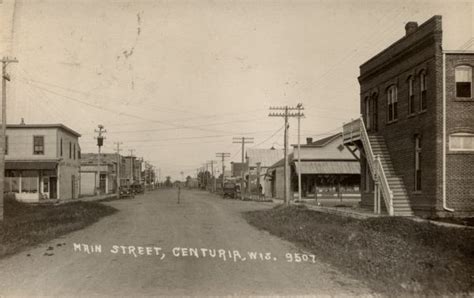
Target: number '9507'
<point x="300" y="258"/>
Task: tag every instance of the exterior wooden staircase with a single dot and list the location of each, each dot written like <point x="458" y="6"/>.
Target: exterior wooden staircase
<point x="388" y="185"/>
<point x="400" y="201"/>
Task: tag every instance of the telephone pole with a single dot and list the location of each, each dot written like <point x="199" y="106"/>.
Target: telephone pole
<point x="213" y="179"/>
<point x="243" y="141"/>
<point x="100" y="142"/>
<point x="5" y="78"/>
<point x="286" y="113"/>
<point x="131" y="165"/>
<point x="299" y="107"/>
<point x="118" y="165"/>
<point x="223" y="155"/>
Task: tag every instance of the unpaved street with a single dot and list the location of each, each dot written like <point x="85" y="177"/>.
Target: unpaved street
<point x="157" y="224"/>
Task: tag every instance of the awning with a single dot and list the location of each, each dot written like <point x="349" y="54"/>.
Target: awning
<point x="30" y="165"/>
<point x="329" y="167"/>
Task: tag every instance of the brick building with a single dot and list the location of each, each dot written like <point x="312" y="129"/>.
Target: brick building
<point x="416" y="134"/>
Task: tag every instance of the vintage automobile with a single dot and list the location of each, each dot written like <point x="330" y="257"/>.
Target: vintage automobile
<point x="231" y="190"/>
<point x="125" y="191"/>
<point x="137" y="188"/>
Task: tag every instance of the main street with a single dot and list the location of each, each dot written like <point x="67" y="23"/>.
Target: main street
<point x="155" y="246"/>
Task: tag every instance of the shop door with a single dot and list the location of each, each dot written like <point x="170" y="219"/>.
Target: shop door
<point x="46" y="187"/>
<point x="53" y="183"/>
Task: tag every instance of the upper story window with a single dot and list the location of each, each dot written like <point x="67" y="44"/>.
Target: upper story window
<point x="461" y="142"/>
<point x="411" y="95"/>
<point x="423" y="88"/>
<point x="70" y="150"/>
<point x="61" y="147"/>
<point x="6" y="145"/>
<point x="392" y="103"/>
<point x="463" y="78"/>
<point x="74" y="152"/>
<point x="38" y="145"/>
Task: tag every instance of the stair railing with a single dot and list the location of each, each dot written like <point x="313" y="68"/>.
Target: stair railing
<point x="376" y="168"/>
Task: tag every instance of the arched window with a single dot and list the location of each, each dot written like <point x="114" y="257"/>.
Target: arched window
<point x="411" y="95"/>
<point x="461" y="141"/>
<point x="367" y="112"/>
<point x="423" y="88"/>
<point x="392" y="103"/>
<point x="463" y="78"/>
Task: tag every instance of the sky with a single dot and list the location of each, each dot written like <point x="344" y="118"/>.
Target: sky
<point x="175" y="81"/>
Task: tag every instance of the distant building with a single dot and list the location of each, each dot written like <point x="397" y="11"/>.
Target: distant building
<point x="42" y="162"/>
<point x="237" y="168"/>
<point x="260" y="160"/>
<point x="418" y="126"/>
<point x="107" y="182"/>
<point x="133" y="169"/>
<point x="328" y="170"/>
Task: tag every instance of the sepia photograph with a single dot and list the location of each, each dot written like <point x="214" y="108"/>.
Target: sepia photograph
<point x="320" y="148"/>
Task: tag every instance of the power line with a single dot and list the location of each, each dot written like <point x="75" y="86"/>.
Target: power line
<point x="124" y="113"/>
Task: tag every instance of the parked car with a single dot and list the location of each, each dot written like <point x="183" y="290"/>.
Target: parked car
<point x="231" y="190"/>
<point x="125" y="192"/>
<point x="138" y="188"/>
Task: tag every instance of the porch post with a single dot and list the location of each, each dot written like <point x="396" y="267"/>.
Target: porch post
<point x="339" y="187"/>
<point x="316" y="189"/>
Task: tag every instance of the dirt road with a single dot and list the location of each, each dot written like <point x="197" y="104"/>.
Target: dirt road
<point x="154" y="246"/>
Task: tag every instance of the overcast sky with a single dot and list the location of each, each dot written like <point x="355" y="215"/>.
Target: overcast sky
<point x="176" y="80"/>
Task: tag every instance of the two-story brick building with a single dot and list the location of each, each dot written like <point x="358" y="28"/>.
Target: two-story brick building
<point x="42" y="162"/>
<point x="416" y="135"/>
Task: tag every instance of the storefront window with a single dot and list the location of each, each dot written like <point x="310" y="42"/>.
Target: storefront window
<point x="29" y="181"/>
<point x="29" y="184"/>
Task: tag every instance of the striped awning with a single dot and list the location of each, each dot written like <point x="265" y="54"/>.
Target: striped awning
<point x="329" y="167"/>
<point x="30" y="165"/>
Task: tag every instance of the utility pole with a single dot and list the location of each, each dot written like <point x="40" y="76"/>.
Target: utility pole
<point x="223" y="155"/>
<point x="299" y="108"/>
<point x="100" y="142"/>
<point x="118" y="165"/>
<point x="213" y="179"/>
<point x="205" y="174"/>
<point x="286" y="114"/>
<point x="243" y="141"/>
<point x="131" y="166"/>
<point x="5" y="78"/>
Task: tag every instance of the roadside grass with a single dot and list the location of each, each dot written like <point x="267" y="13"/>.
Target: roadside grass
<point x="395" y="256"/>
<point x="25" y="225"/>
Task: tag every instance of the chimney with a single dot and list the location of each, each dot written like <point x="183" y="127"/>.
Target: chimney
<point x="22" y="121"/>
<point x="410" y="27"/>
<point x="309" y="140"/>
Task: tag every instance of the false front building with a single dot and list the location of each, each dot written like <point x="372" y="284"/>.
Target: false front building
<point x="42" y="162"/>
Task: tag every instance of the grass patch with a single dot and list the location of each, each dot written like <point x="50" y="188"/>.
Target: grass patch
<point x="465" y="221"/>
<point x="394" y="255"/>
<point x="25" y="225"/>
